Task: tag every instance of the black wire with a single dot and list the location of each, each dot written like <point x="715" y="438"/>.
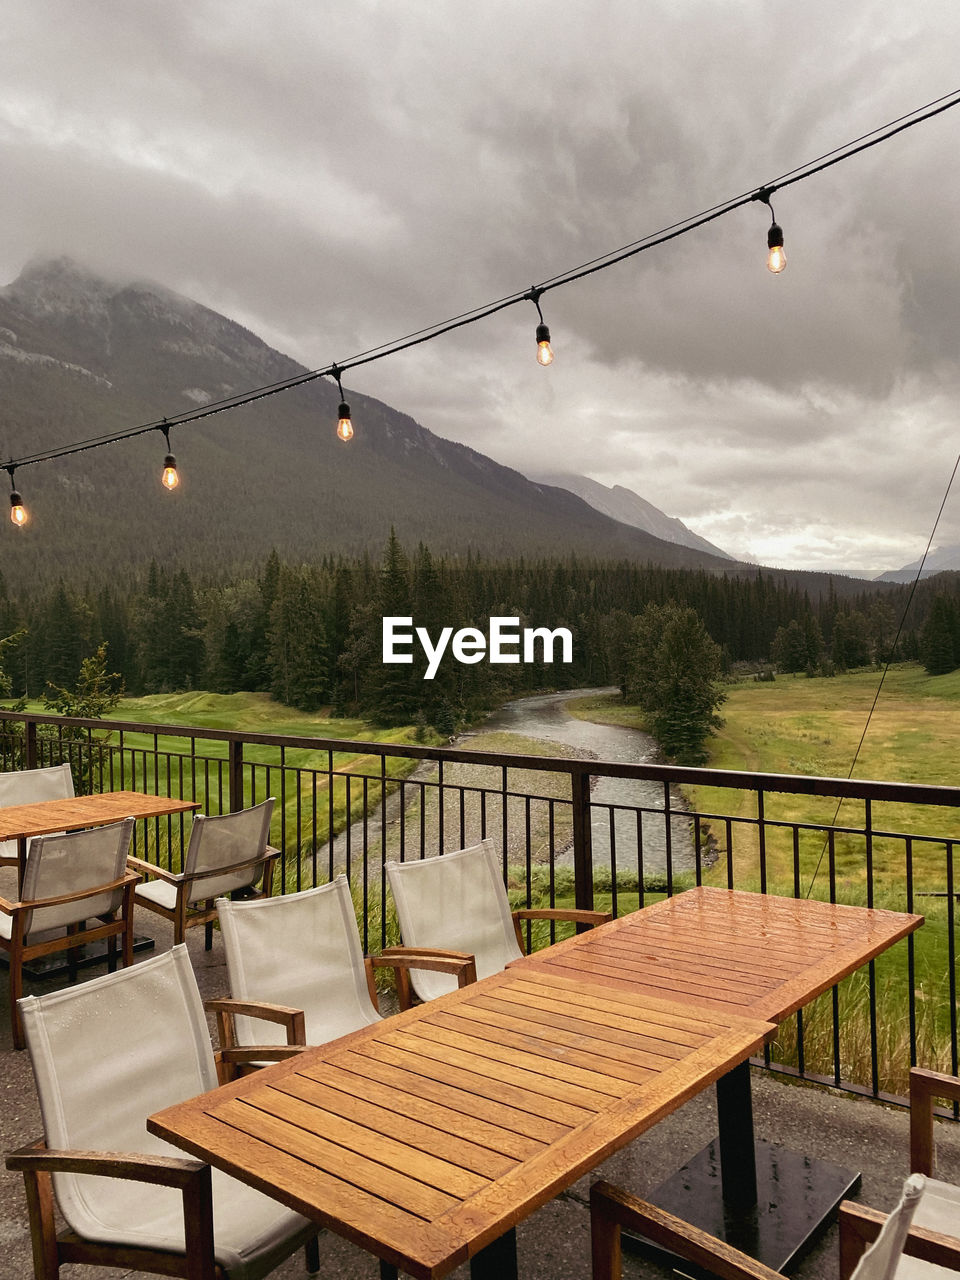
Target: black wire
<point x="893" y="650"/>
<point x="472" y="316"/>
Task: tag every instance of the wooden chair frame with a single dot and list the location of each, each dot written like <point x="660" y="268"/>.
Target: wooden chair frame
<point x="402" y="959"/>
<point x="183" y="915"/>
<point x="612" y="1209"/>
<point x="925" y="1086"/>
<point x="110" y="926"/>
<point x="51" y="1250"/>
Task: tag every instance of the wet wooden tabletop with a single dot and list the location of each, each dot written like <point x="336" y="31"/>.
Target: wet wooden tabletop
<point x="753" y="954"/>
<point x="427" y="1136"/>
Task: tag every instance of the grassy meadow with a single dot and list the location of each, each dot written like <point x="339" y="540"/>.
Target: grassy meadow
<point x="795" y="724"/>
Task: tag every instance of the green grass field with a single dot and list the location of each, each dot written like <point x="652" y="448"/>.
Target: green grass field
<point x="813" y="726"/>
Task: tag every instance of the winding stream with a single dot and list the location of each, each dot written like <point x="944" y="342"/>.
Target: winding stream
<point x="615" y="801"/>
<point x="545" y="717"/>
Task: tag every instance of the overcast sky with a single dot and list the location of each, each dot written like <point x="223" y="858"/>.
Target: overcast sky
<point x="334" y="175"/>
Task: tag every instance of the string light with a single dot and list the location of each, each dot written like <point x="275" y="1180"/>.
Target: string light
<point x="776" y="262"/>
<point x="776" y="258"/>
<point x="544" y="349"/>
<point x="344" y="425"/>
<point x="170" y="477"/>
<point x="18" y="512"/>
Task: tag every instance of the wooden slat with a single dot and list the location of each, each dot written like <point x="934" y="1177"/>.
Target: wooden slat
<point x="425" y="1166"/>
<point x="641" y="1050"/>
<point x="579" y="1049"/>
<point x="530" y="1131"/>
<point x="775" y="954"/>
<point x="375" y="1108"/>
<point x="423" y="1249"/>
<point x="573" y="1084"/>
<point x="521" y="1088"/>
<point x="390" y="1185"/>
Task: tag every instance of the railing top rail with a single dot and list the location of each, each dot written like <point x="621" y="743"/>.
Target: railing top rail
<point x="788" y="783"/>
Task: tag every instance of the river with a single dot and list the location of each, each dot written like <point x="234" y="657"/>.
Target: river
<point x="546" y="717"/>
<point x="542" y="718"/>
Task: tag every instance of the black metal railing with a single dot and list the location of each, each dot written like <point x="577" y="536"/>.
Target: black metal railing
<point x="585" y="832"/>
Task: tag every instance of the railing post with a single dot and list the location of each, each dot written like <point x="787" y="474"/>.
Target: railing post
<point x="582" y="841"/>
<point x="235" y="774"/>
<point x="30" y="744"/>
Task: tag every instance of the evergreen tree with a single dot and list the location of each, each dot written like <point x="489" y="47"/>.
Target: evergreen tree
<point x="675" y="679"/>
<point x="939" y="649"/>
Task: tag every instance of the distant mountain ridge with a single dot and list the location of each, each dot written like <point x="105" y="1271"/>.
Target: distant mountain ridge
<point x="82" y="357"/>
<point x="940" y="560"/>
<point x="620" y="503"/>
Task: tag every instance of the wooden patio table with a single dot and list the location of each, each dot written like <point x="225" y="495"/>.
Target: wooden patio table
<point x="427" y="1137"/>
<point x="756" y="955"/>
<point x="21" y="821"/>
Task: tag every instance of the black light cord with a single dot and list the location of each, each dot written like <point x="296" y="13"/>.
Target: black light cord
<point x="427" y="334"/>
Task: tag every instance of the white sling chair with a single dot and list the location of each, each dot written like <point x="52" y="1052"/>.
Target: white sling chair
<point x="107" y="1054"/>
<point x="29" y="786"/>
<point x="458" y="902"/>
<point x="303" y="951"/>
<point x="894" y="1254"/>
<point x="228" y="851"/>
<point x="76" y="889"/>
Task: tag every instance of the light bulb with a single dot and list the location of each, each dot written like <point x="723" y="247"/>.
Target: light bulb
<point x="171" y="477"/>
<point x="18" y="512"/>
<point x="544" y="349"/>
<point x="344" y="426"/>
<point x="776" y="258"/>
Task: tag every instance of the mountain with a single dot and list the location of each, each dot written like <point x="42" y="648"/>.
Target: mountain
<point x="940" y="560"/>
<point x="629" y="508"/>
<point x="82" y="357"/>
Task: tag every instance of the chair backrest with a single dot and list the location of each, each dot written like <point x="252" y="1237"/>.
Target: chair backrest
<point x="302" y="950"/>
<point x="70" y="863"/>
<point x="456" y="901"/>
<point x="224" y="841"/>
<point x="880" y="1261"/>
<point x="29" y="786"/>
<point x="108" y="1053"/>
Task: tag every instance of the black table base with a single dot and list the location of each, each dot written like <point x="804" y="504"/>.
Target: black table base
<point x="796" y="1196"/>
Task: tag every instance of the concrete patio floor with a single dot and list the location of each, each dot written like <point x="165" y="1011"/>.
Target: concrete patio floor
<point x="554" y="1243"/>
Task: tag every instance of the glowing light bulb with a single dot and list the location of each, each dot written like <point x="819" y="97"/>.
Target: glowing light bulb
<point x="776" y="258"/>
<point x="544" y="349"/>
<point x="170" y="477"/>
<point x="18" y="512"/>
<point x="344" y="426"/>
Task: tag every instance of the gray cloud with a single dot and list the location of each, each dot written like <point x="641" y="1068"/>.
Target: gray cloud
<point x="334" y="176"/>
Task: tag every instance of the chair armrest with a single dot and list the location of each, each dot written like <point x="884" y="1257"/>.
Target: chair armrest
<point x="34" y="904"/>
<point x="208" y="873"/>
<point x="611" y="1209"/>
<point x="574" y="915"/>
<point x="402" y="959"/>
<point x="151" y="869"/>
<point x="860" y="1226"/>
<point x="190" y="1177"/>
<point x="166" y="1171"/>
<point x="228" y="1060"/>
<point x="226" y="1010"/>
<point x="924" y="1087"/>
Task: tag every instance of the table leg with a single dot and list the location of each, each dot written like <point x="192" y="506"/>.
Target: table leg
<point x="764" y="1199"/>
<point x="21" y="864"/>
<point x="738" y="1159"/>
<point x="498" y="1261"/>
